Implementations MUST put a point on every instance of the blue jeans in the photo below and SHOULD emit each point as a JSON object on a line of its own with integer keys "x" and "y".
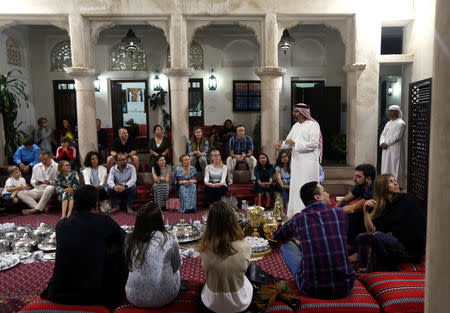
{"x": 292, "y": 256}
{"x": 129, "y": 194}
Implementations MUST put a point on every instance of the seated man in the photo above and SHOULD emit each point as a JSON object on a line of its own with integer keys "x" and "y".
{"x": 241, "y": 149}
{"x": 122, "y": 182}
{"x": 125, "y": 145}
{"x": 43, "y": 181}
{"x": 27, "y": 156}
{"x": 89, "y": 265}
{"x": 363, "y": 190}
{"x": 314, "y": 246}
{"x": 101, "y": 135}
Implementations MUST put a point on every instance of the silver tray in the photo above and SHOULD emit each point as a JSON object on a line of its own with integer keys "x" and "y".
{"x": 16, "y": 261}
{"x": 183, "y": 240}
{"x": 46, "y": 248}
{"x": 49, "y": 256}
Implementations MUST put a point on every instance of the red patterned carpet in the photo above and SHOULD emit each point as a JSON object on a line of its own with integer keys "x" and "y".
{"x": 23, "y": 283}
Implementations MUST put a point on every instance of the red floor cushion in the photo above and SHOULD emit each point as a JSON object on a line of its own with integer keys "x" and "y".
{"x": 359, "y": 301}
{"x": 186, "y": 301}
{"x": 39, "y": 305}
{"x": 397, "y": 292}
{"x": 412, "y": 267}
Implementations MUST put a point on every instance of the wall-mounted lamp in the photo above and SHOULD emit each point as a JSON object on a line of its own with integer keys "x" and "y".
{"x": 156, "y": 83}
{"x": 390, "y": 90}
{"x": 97, "y": 85}
{"x": 212, "y": 82}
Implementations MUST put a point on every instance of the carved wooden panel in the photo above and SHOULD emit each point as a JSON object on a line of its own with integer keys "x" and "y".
{"x": 14, "y": 52}
{"x": 196, "y": 56}
{"x": 419, "y": 139}
{"x": 121, "y": 60}
{"x": 61, "y": 56}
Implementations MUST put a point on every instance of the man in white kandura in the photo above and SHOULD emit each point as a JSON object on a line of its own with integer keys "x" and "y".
{"x": 391, "y": 141}
{"x": 305, "y": 140}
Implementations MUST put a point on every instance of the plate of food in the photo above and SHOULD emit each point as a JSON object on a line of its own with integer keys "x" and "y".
{"x": 24, "y": 255}
{"x": 49, "y": 256}
{"x": 8, "y": 262}
{"x": 45, "y": 247}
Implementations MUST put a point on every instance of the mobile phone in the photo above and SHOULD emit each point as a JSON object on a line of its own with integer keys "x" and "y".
{"x": 184, "y": 285}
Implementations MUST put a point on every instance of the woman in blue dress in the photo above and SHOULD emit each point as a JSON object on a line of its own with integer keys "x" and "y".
{"x": 186, "y": 179}
{"x": 283, "y": 175}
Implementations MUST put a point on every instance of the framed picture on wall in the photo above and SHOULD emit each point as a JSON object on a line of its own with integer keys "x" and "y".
{"x": 246, "y": 95}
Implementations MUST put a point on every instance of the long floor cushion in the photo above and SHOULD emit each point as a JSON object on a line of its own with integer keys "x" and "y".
{"x": 360, "y": 301}
{"x": 397, "y": 292}
{"x": 39, "y": 305}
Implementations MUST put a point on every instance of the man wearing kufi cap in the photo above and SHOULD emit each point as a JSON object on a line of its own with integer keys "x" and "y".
{"x": 305, "y": 140}
{"x": 391, "y": 143}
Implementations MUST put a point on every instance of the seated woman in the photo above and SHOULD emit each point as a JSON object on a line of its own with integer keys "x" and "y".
{"x": 225, "y": 258}
{"x": 197, "y": 148}
{"x": 263, "y": 178}
{"x": 66, "y": 152}
{"x": 215, "y": 141}
{"x": 228, "y": 131}
{"x": 283, "y": 175}
{"x": 68, "y": 131}
{"x": 396, "y": 228}
{"x": 186, "y": 180}
{"x": 154, "y": 261}
{"x": 158, "y": 145}
{"x": 95, "y": 174}
{"x": 161, "y": 181}
{"x": 215, "y": 175}
{"x": 66, "y": 183}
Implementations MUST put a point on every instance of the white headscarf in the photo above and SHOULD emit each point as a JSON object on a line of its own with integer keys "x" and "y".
{"x": 396, "y": 108}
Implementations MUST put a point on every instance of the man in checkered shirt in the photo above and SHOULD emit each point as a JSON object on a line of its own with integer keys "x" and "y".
{"x": 241, "y": 149}
{"x": 315, "y": 246}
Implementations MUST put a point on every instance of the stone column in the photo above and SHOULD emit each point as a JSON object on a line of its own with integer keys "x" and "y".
{"x": 437, "y": 287}
{"x": 270, "y": 107}
{"x": 84, "y": 86}
{"x": 362, "y": 88}
{"x": 179, "y": 78}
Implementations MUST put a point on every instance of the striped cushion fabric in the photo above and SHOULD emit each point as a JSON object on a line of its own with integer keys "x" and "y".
{"x": 397, "y": 292}
{"x": 43, "y": 306}
{"x": 360, "y": 301}
{"x": 186, "y": 301}
{"x": 279, "y": 307}
{"x": 412, "y": 267}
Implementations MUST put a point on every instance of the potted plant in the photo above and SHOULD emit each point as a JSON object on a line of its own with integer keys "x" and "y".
{"x": 157, "y": 101}
{"x": 12, "y": 94}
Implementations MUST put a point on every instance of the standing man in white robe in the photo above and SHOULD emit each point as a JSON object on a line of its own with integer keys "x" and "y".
{"x": 305, "y": 140}
{"x": 391, "y": 141}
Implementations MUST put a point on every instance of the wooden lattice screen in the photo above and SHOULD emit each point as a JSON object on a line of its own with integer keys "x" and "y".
{"x": 419, "y": 139}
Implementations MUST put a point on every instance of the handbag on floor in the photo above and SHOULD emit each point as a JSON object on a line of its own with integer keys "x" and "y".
{"x": 173, "y": 204}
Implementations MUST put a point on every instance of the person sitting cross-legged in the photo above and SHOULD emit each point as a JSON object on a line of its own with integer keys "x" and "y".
{"x": 66, "y": 183}
{"x": 315, "y": 246}
{"x": 122, "y": 182}
{"x": 43, "y": 181}
{"x": 90, "y": 266}
{"x": 241, "y": 149}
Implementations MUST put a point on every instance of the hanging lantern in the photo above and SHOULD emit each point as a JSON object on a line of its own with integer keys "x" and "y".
{"x": 131, "y": 42}
{"x": 286, "y": 41}
{"x": 97, "y": 85}
{"x": 156, "y": 83}
{"x": 212, "y": 82}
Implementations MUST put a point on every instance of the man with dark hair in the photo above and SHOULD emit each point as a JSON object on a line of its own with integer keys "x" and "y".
{"x": 314, "y": 246}
{"x": 43, "y": 181}
{"x": 27, "y": 156}
{"x": 89, "y": 265}
{"x": 122, "y": 182}
{"x": 363, "y": 190}
{"x": 241, "y": 149}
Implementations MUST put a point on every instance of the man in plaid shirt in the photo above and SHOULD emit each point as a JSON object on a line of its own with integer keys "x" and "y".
{"x": 315, "y": 246}
{"x": 241, "y": 149}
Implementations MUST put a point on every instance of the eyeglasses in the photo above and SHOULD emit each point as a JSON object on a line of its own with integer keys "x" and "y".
{"x": 121, "y": 159}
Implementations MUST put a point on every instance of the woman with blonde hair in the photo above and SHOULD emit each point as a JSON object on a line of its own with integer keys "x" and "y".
{"x": 215, "y": 178}
{"x": 396, "y": 228}
{"x": 225, "y": 258}
{"x": 197, "y": 148}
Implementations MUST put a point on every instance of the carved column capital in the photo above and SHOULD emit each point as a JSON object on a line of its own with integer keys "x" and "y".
{"x": 178, "y": 71}
{"x": 270, "y": 70}
{"x": 354, "y": 67}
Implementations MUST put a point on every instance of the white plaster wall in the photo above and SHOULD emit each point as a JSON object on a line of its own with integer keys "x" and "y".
{"x": 26, "y": 113}
{"x": 42, "y": 41}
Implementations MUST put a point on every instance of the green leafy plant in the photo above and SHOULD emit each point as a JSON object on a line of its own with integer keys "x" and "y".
{"x": 157, "y": 102}
{"x": 12, "y": 94}
{"x": 339, "y": 147}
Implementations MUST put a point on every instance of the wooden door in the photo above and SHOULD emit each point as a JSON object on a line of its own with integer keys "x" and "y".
{"x": 117, "y": 103}
{"x": 325, "y": 108}
{"x": 65, "y": 99}
{"x": 196, "y": 107}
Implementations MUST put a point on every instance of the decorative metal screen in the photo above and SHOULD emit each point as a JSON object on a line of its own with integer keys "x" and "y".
{"x": 419, "y": 139}
{"x": 121, "y": 60}
{"x": 196, "y": 56}
{"x": 61, "y": 56}
{"x": 14, "y": 52}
